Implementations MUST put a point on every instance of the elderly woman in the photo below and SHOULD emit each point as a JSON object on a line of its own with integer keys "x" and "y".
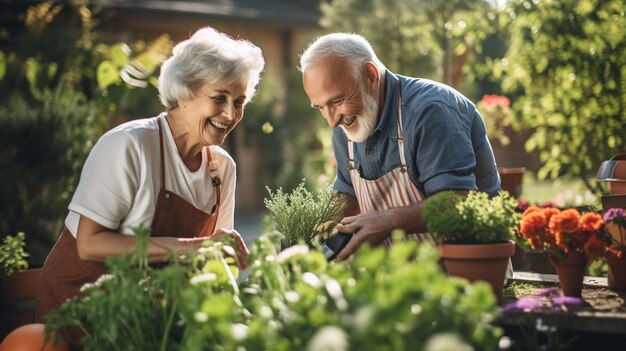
{"x": 165, "y": 173}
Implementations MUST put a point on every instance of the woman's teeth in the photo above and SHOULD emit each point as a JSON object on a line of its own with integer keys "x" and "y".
{"x": 218, "y": 125}
{"x": 348, "y": 120}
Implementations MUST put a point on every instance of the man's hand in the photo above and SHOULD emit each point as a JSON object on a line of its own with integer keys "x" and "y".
{"x": 372, "y": 228}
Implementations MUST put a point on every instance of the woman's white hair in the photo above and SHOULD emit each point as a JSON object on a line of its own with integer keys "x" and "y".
{"x": 353, "y": 47}
{"x": 209, "y": 57}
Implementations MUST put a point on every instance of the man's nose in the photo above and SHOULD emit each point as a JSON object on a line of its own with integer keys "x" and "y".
{"x": 332, "y": 117}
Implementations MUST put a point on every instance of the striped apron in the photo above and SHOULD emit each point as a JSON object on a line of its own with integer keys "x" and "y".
{"x": 393, "y": 189}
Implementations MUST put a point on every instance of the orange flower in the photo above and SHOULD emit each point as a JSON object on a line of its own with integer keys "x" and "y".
{"x": 591, "y": 222}
{"x": 595, "y": 247}
{"x": 565, "y": 221}
{"x": 561, "y": 231}
{"x": 534, "y": 224}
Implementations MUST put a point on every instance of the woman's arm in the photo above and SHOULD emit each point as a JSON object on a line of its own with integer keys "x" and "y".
{"x": 96, "y": 242}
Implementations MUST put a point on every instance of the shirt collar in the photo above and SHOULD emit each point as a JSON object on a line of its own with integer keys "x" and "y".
{"x": 387, "y": 123}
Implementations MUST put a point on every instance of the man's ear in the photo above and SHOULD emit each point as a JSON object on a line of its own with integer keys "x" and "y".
{"x": 371, "y": 74}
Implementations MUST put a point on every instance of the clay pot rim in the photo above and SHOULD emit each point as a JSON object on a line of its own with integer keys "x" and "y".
{"x": 463, "y": 251}
{"x": 507, "y": 170}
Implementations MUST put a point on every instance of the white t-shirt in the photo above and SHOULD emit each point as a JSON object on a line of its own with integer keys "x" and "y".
{"x": 121, "y": 179}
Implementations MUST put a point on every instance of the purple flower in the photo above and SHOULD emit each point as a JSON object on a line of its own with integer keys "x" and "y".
{"x": 566, "y": 301}
{"x": 613, "y": 214}
{"x": 523, "y": 304}
{"x": 548, "y": 292}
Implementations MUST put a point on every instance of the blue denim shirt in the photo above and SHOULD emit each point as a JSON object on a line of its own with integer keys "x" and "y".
{"x": 445, "y": 141}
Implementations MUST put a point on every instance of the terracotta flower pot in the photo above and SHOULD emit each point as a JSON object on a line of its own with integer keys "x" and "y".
{"x": 613, "y": 171}
{"x": 511, "y": 180}
{"x": 31, "y": 337}
{"x": 571, "y": 271}
{"x": 616, "y": 275}
{"x": 17, "y": 300}
{"x": 486, "y": 262}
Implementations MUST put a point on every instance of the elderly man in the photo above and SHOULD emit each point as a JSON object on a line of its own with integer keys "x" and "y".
{"x": 397, "y": 140}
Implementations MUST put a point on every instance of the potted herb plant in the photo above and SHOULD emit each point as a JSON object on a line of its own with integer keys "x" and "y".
{"x": 475, "y": 232}
{"x": 301, "y": 216}
{"x": 615, "y": 220}
{"x": 18, "y": 284}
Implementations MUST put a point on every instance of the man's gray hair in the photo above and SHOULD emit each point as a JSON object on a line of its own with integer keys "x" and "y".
{"x": 209, "y": 57}
{"x": 353, "y": 47}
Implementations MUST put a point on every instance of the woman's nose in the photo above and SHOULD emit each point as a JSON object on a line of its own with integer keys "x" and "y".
{"x": 230, "y": 112}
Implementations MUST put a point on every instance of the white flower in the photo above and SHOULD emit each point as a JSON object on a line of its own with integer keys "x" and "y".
{"x": 334, "y": 289}
{"x": 291, "y": 252}
{"x": 505, "y": 343}
{"x": 239, "y": 331}
{"x": 200, "y": 316}
{"x": 447, "y": 342}
{"x": 311, "y": 279}
{"x": 329, "y": 338}
{"x": 292, "y": 296}
{"x": 203, "y": 278}
{"x": 416, "y": 309}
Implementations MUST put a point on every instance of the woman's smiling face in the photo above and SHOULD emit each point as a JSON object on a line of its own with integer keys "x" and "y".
{"x": 214, "y": 111}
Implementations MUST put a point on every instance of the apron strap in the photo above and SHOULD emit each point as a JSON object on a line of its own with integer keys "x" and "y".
{"x": 162, "y": 154}
{"x": 215, "y": 178}
{"x": 403, "y": 165}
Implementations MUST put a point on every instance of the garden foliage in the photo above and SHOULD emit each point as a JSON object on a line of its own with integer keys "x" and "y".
{"x": 12, "y": 256}
{"x": 55, "y": 107}
{"x": 474, "y": 218}
{"x": 566, "y": 65}
{"x": 395, "y": 299}
{"x": 301, "y": 216}
{"x": 434, "y": 39}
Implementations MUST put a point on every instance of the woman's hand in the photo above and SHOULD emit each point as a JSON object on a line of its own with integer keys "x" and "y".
{"x": 240, "y": 245}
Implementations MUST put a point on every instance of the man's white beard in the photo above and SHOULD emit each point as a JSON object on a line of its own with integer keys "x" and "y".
{"x": 366, "y": 121}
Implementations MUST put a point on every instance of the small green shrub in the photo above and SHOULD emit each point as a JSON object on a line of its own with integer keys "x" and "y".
{"x": 472, "y": 219}
{"x": 301, "y": 215}
{"x": 12, "y": 256}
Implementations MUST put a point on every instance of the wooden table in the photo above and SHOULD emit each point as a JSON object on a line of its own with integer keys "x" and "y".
{"x": 598, "y": 324}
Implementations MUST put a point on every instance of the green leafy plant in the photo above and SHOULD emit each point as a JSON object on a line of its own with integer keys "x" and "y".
{"x": 12, "y": 256}
{"x": 566, "y": 67}
{"x": 301, "y": 215}
{"x": 395, "y": 299}
{"x": 474, "y": 218}
{"x": 140, "y": 307}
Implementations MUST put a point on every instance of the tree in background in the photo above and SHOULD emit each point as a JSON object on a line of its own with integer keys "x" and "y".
{"x": 435, "y": 39}
{"x": 566, "y": 65}
{"x": 56, "y": 105}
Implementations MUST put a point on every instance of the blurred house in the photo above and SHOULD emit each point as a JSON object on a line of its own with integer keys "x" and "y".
{"x": 280, "y": 28}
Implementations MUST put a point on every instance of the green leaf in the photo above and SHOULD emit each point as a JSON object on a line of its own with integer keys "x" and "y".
{"x": 3, "y": 65}
{"x": 107, "y": 74}
{"x": 120, "y": 54}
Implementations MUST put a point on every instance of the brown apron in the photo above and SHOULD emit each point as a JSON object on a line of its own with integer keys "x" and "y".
{"x": 64, "y": 272}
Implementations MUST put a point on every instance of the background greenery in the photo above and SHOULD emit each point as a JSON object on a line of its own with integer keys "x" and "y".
{"x": 561, "y": 64}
